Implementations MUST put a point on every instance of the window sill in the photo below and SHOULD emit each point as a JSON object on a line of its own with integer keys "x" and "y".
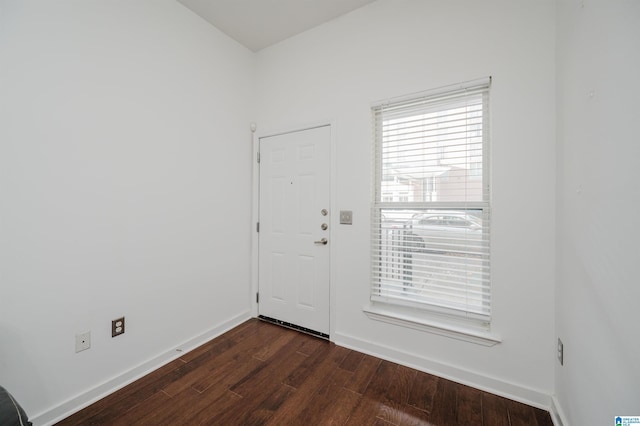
{"x": 441, "y": 328}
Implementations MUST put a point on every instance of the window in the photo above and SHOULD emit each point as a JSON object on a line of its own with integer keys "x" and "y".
{"x": 430, "y": 250}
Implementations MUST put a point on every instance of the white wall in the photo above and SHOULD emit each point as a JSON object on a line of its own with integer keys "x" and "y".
{"x": 125, "y": 186}
{"x": 395, "y": 47}
{"x": 598, "y": 203}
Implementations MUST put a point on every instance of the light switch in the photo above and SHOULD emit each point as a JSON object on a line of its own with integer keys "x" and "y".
{"x": 346, "y": 217}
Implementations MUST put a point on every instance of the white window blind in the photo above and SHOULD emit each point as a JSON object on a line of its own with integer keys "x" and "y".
{"x": 430, "y": 214}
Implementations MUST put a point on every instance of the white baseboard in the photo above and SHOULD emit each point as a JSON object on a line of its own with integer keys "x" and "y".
{"x": 477, "y": 380}
{"x": 557, "y": 415}
{"x": 92, "y": 395}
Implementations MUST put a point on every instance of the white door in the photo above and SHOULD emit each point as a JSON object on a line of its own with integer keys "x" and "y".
{"x": 294, "y": 228}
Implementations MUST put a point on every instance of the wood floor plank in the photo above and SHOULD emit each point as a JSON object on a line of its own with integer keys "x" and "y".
{"x": 423, "y": 389}
{"x": 494, "y": 410}
{"x": 445, "y": 410}
{"x": 542, "y": 417}
{"x": 415, "y": 417}
{"x": 259, "y": 386}
{"x": 227, "y": 375}
{"x": 173, "y": 412}
{"x": 323, "y": 400}
{"x": 282, "y": 364}
{"x": 259, "y": 389}
{"x": 308, "y": 384}
{"x": 184, "y": 382}
{"x": 310, "y": 344}
{"x": 209, "y": 405}
{"x": 365, "y": 371}
{"x": 345, "y": 402}
{"x": 267, "y": 375}
{"x": 259, "y": 373}
{"x": 272, "y": 347}
{"x": 469, "y": 406}
{"x": 520, "y": 414}
{"x": 142, "y": 410}
{"x": 260, "y": 413}
{"x": 352, "y": 361}
{"x": 217, "y": 361}
{"x": 223, "y": 347}
{"x": 238, "y": 357}
{"x": 372, "y": 403}
{"x": 324, "y": 357}
{"x": 396, "y": 409}
{"x": 215, "y": 404}
{"x": 216, "y": 398}
{"x": 365, "y": 412}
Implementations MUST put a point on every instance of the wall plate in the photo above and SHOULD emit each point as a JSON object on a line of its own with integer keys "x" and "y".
{"x": 117, "y": 327}
{"x": 83, "y": 341}
{"x": 346, "y": 217}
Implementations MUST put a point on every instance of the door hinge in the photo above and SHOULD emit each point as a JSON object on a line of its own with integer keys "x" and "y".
{"x": 257, "y": 297}
{"x": 257, "y": 226}
{"x": 258, "y": 156}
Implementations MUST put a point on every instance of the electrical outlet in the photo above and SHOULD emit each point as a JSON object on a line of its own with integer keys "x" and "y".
{"x": 560, "y": 352}
{"x": 117, "y": 327}
{"x": 83, "y": 341}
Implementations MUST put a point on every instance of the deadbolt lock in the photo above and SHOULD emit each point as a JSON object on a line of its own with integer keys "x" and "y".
{"x": 324, "y": 226}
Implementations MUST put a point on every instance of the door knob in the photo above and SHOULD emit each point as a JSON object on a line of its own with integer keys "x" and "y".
{"x": 322, "y": 241}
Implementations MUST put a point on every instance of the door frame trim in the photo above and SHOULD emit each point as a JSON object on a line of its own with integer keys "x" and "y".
{"x": 255, "y": 211}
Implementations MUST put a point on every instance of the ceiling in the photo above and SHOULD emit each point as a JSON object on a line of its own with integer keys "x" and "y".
{"x": 260, "y": 23}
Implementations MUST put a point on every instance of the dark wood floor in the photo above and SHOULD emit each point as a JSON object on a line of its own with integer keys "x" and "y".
{"x": 259, "y": 373}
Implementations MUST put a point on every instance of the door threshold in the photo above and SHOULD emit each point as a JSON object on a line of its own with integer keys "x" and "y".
{"x": 294, "y": 327}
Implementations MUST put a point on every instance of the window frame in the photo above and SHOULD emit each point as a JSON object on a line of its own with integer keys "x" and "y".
{"x": 478, "y": 322}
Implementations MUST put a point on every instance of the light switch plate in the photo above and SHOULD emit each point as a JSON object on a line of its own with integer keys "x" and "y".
{"x": 346, "y": 217}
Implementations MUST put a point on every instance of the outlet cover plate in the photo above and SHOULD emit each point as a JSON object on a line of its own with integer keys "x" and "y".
{"x": 117, "y": 327}
{"x": 83, "y": 341}
{"x": 560, "y": 352}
